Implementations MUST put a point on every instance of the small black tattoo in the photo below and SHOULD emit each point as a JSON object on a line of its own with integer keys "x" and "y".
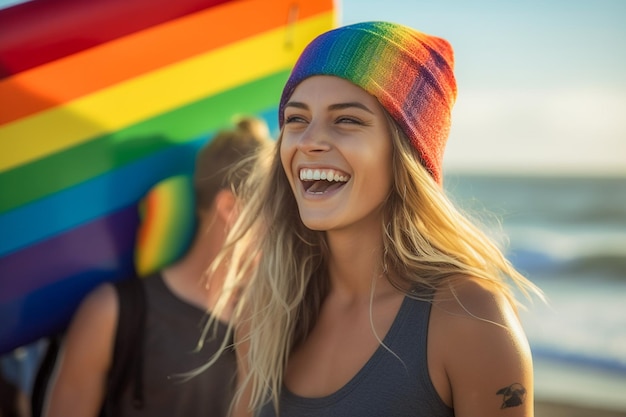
{"x": 512, "y": 396}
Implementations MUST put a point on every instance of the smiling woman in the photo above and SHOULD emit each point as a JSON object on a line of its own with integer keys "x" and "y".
{"x": 371, "y": 294}
{"x": 341, "y": 129}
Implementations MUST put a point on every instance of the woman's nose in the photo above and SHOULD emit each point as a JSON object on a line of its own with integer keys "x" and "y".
{"x": 314, "y": 139}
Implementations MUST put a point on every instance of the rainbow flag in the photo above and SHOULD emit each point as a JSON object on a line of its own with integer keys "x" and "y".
{"x": 99, "y": 101}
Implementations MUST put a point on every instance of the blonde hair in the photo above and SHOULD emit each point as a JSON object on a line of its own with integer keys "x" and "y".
{"x": 427, "y": 243}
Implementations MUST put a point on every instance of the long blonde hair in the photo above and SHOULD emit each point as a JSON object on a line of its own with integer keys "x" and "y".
{"x": 427, "y": 241}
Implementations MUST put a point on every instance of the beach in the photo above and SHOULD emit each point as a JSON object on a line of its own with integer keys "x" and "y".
{"x": 559, "y": 409}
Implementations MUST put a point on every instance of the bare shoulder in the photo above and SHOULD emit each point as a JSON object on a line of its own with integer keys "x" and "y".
{"x": 100, "y": 304}
{"x": 466, "y": 299}
{"x": 486, "y": 360}
{"x": 469, "y": 311}
{"x": 93, "y": 326}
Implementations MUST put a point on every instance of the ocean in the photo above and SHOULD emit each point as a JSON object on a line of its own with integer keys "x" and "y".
{"x": 568, "y": 236}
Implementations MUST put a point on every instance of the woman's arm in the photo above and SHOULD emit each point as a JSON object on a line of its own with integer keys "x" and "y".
{"x": 479, "y": 345}
{"x": 79, "y": 382}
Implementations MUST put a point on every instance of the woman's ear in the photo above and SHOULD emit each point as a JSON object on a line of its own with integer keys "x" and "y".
{"x": 225, "y": 206}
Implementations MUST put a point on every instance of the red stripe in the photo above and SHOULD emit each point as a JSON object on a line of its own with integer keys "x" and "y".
{"x": 64, "y": 80}
{"x": 41, "y": 31}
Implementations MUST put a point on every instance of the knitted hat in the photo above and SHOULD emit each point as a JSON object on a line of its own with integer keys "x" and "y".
{"x": 409, "y": 72}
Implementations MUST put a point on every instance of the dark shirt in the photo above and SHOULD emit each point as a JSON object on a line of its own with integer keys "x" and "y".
{"x": 387, "y": 385}
{"x": 173, "y": 329}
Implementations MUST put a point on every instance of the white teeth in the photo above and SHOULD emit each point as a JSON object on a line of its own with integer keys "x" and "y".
{"x": 327, "y": 175}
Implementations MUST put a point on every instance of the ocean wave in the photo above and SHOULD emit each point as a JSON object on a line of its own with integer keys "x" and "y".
{"x": 568, "y": 241}
{"x": 583, "y": 251}
{"x": 549, "y": 200}
{"x": 583, "y": 322}
{"x": 576, "y": 358}
{"x": 586, "y": 266}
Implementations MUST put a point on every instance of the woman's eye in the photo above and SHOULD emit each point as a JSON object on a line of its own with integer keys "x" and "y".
{"x": 294, "y": 119}
{"x": 349, "y": 120}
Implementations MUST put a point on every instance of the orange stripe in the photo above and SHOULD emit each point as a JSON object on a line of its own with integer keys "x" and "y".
{"x": 42, "y": 31}
{"x": 64, "y": 80}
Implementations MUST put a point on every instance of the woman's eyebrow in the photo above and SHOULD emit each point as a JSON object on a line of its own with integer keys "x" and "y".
{"x": 296, "y": 104}
{"x": 341, "y": 106}
{"x": 338, "y": 106}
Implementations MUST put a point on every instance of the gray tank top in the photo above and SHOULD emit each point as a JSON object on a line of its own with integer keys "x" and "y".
{"x": 173, "y": 328}
{"x": 385, "y": 386}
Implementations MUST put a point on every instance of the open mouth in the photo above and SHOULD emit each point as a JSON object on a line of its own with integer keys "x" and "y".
{"x": 320, "y": 181}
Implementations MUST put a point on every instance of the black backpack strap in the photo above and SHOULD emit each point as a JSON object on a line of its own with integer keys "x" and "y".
{"x": 127, "y": 354}
{"x": 128, "y": 349}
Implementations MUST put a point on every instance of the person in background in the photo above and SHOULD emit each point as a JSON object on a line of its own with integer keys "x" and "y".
{"x": 373, "y": 294}
{"x": 177, "y": 301}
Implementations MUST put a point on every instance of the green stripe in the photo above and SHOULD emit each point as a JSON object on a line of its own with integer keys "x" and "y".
{"x": 108, "y": 152}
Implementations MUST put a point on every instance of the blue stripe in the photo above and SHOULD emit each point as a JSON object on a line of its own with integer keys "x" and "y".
{"x": 99, "y": 196}
{"x": 92, "y": 199}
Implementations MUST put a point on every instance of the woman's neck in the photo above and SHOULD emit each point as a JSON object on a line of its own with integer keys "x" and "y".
{"x": 356, "y": 262}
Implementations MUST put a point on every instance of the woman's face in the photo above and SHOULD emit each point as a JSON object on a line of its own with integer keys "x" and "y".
{"x": 336, "y": 152}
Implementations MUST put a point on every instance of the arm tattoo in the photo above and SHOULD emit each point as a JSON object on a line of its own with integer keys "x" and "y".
{"x": 512, "y": 396}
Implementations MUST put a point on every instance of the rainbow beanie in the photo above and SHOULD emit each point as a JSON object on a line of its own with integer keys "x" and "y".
{"x": 409, "y": 72}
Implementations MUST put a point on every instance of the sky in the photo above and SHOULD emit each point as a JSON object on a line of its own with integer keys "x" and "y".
{"x": 542, "y": 84}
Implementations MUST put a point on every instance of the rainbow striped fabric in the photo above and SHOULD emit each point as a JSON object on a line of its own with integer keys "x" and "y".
{"x": 100, "y": 101}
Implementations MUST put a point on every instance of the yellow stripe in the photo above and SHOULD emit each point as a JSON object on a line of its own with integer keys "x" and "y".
{"x": 127, "y": 103}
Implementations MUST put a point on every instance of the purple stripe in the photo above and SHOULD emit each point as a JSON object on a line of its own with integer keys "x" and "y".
{"x": 47, "y": 310}
{"x": 94, "y": 245}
